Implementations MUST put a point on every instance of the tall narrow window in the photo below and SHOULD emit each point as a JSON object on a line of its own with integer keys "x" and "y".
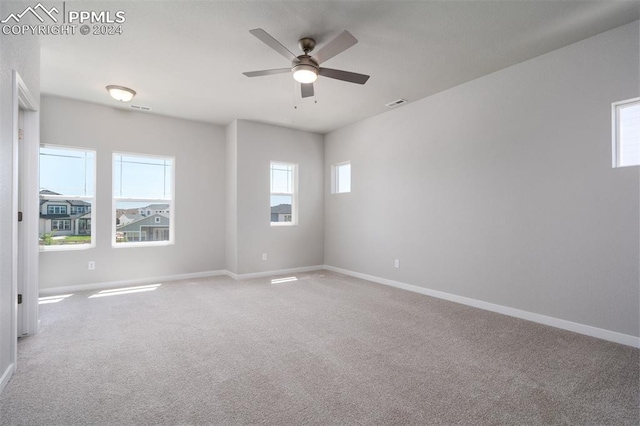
{"x": 67, "y": 191}
{"x": 142, "y": 200}
{"x": 626, "y": 133}
{"x": 283, "y": 194}
{"x": 341, "y": 178}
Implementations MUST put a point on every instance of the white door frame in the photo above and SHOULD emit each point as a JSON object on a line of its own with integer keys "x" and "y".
{"x": 25, "y": 254}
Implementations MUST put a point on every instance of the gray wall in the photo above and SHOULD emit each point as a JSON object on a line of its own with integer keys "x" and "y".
{"x": 20, "y": 53}
{"x": 231, "y": 194}
{"x": 502, "y": 189}
{"x": 199, "y": 150}
{"x": 286, "y": 246}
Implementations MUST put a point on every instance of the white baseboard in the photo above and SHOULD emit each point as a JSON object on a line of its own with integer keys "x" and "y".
{"x": 124, "y": 283}
{"x": 274, "y": 272}
{"x": 588, "y": 330}
{"x": 6, "y": 376}
{"x": 141, "y": 281}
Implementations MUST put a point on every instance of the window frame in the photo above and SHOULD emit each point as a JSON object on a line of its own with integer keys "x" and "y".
{"x": 148, "y": 201}
{"x": 615, "y": 130}
{"x": 60, "y": 198}
{"x": 293, "y": 194}
{"x": 335, "y": 180}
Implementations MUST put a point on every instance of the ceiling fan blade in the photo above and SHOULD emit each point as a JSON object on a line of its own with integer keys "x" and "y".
{"x": 307, "y": 89}
{"x": 273, "y": 43}
{"x": 267, "y": 72}
{"x": 336, "y": 46}
{"x": 351, "y": 77}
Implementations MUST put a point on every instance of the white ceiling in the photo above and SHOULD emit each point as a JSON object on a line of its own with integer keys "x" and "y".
{"x": 186, "y": 58}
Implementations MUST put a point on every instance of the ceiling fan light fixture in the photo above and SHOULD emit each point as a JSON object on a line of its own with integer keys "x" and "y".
{"x": 305, "y": 73}
{"x": 121, "y": 93}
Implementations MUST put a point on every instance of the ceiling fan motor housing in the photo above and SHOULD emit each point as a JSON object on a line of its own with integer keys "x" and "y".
{"x": 305, "y": 62}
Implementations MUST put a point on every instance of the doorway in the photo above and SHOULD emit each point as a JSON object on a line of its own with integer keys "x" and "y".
{"x": 24, "y": 205}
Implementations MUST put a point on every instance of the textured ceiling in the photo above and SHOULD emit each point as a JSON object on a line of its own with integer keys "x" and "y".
{"x": 186, "y": 58}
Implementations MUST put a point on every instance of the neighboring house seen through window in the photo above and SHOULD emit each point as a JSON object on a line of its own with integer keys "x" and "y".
{"x": 283, "y": 193}
{"x": 67, "y": 191}
{"x": 143, "y": 199}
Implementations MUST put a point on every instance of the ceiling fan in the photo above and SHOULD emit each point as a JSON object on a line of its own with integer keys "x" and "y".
{"x": 306, "y": 68}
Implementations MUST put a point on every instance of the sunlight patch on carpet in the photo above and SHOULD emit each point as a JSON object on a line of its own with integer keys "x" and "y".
{"x": 125, "y": 290}
{"x": 283, "y": 280}
{"x": 53, "y": 299}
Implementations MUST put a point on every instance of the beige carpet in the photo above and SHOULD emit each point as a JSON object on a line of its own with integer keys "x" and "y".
{"x": 325, "y": 349}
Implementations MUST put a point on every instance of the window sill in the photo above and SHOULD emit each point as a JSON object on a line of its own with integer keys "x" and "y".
{"x": 143, "y": 244}
{"x": 67, "y": 247}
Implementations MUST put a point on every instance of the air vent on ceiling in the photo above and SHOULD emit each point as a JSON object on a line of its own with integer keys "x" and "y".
{"x": 396, "y": 103}
{"x": 140, "y": 107}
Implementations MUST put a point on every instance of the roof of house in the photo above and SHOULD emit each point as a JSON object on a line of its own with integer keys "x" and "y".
{"x": 66, "y": 216}
{"x": 145, "y": 220}
{"x": 132, "y": 217}
{"x": 155, "y": 207}
{"x": 71, "y": 202}
{"x": 281, "y": 209}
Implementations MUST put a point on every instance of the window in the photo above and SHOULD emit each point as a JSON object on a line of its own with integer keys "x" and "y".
{"x": 283, "y": 194}
{"x": 60, "y": 225}
{"x": 78, "y": 209}
{"x": 67, "y": 183}
{"x": 341, "y": 178}
{"x": 57, "y": 209}
{"x": 626, "y": 132}
{"x": 142, "y": 184}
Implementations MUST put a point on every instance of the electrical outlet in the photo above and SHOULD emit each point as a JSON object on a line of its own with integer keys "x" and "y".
{"x": 92, "y": 265}
{"x": 264, "y": 256}
{"x": 397, "y": 263}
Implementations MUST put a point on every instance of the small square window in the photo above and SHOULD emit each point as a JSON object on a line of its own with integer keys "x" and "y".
{"x": 341, "y": 178}
{"x": 626, "y": 132}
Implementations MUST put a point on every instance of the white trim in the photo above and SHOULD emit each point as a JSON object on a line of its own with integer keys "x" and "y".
{"x": 232, "y": 275}
{"x": 6, "y": 376}
{"x": 294, "y": 195}
{"x": 615, "y": 131}
{"x": 335, "y": 180}
{"x": 170, "y": 202}
{"x": 143, "y": 243}
{"x": 91, "y": 199}
{"x": 24, "y": 257}
{"x": 111, "y": 284}
{"x": 588, "y": 330}
{"x": 31, "y": 214}
{"x": 240, "y": 277}
{"x": 284, "y": 223}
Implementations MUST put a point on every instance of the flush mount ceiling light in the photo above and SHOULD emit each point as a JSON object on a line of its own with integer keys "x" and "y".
{"x": 121, "y": 93}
